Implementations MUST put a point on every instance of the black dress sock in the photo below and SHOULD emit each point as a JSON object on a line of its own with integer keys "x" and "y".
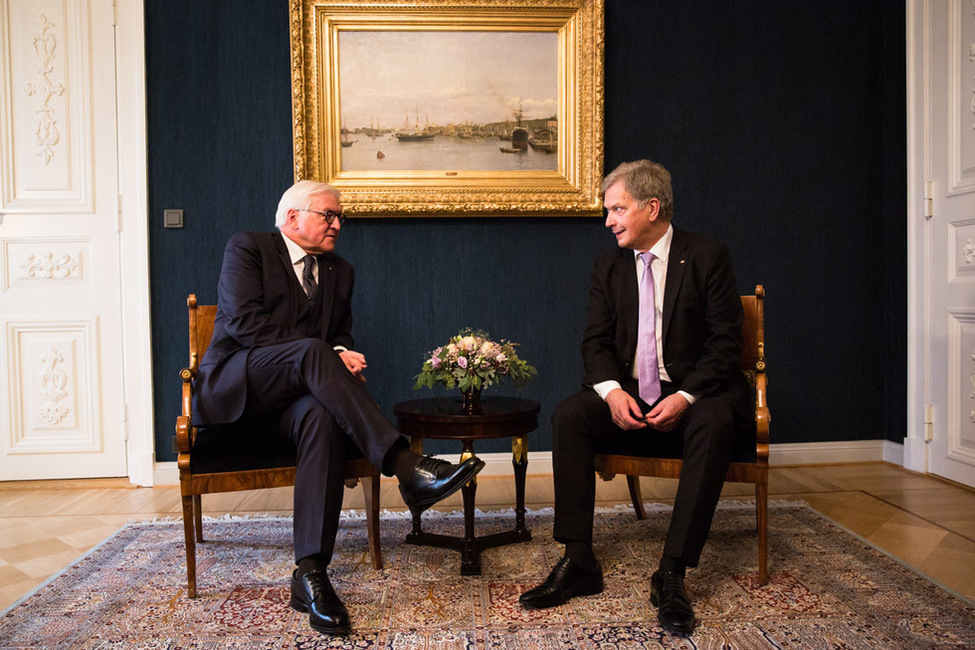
{"x": 311, "y": 563}
{"x": 581, "y": 553}
{"x": 400, "y": 461}
{"x": 673, "y": 565}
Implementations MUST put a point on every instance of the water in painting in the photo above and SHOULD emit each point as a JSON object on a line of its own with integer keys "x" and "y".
{"x": 449, "y": 100}
{"x": 452, "y": 153}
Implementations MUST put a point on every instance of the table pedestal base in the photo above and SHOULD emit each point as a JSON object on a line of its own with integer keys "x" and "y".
{"x": 440, "y": 418}
{"x": 470, "y": 546}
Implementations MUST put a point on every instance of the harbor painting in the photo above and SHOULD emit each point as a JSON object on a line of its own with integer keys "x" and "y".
{"x": 448, "y": 100}
{"x": 448, "y": 107}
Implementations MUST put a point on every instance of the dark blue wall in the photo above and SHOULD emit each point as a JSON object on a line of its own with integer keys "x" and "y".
{"x": 783, "y": 124}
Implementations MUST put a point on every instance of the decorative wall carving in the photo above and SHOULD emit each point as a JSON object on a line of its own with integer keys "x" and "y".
{"x": 54, "y": 381}
{"x": 32, "y": 263}
{"x": 46, "y": 134}
{"x": 49, "y": 265}
{"x": 961, "y": 242}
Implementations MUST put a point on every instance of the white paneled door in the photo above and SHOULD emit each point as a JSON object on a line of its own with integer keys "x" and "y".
{"x": 62, "y": 397}
{"x": 942, "y": 213}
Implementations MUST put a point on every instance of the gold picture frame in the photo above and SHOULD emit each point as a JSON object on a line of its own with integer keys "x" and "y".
{"x": 352, "y": 46}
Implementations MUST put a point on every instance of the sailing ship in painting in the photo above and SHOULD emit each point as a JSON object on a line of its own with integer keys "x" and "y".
{"x": 519, "y": 141}
{"x": 346, "y": 142}
{"x": 416, "y": 135}
{"x": 539, "y": 136}
{"x": 519, "y": 135}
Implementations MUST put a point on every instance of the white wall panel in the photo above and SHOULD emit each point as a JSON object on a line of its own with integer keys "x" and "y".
{"x": 53, "y": 371}
{"x": 961, "y": 386}
{"x": 961, "y": 87}
{"x": 47, "y": 113}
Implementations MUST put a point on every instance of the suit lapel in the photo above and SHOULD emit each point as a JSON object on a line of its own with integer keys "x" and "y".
{"x": 629, "y": 299}
{"x": 294, "y": 287}
{"x": 281, "y": 251}
{"x": 326, "y": 285}
{"x": 676, "y": 266}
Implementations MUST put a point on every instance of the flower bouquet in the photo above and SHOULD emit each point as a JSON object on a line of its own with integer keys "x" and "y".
{"x": 471, "y": 361}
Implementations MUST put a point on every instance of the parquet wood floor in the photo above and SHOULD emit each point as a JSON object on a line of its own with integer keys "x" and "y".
{"x": 925, "y": 521}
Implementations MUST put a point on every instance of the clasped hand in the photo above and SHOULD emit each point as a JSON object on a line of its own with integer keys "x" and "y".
{"x": 664, "y": 416}
{"x": 354, "y": 361}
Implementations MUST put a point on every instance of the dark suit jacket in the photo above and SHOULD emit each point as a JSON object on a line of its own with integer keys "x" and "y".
{"x": 702, "y": 319}
{"x": 258, "y": 302}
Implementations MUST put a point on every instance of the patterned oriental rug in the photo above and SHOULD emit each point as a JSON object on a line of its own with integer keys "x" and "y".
{"x": 829, "y": 589}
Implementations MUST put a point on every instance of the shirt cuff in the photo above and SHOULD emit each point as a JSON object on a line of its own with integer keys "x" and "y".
{"x": 604, "y": 388}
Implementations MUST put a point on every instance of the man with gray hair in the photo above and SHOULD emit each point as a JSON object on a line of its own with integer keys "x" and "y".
{"x": 281, "y": 353}
{"x": 661, "y": 348}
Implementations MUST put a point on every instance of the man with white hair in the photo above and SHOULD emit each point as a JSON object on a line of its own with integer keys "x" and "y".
{"x": 281, "y": 353}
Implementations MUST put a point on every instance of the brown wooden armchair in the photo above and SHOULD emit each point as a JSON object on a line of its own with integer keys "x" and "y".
{"x": 749, "y": 465}
{"x": 229, "y": 459}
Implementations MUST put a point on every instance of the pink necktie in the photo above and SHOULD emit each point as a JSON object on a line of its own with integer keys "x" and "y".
{"x": 647, "y": 366}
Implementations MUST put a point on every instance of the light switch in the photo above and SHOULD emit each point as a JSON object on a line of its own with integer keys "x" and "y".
{"x": 172, "y": 218}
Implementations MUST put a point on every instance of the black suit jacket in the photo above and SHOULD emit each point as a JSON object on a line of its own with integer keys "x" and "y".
{"x": 258, "y": 302}
{"x": 702, "y": 319}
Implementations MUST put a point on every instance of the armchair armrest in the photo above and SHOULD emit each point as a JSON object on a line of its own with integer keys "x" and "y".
{"x": 185, "y": 431}
{"x": 762, "y": 420}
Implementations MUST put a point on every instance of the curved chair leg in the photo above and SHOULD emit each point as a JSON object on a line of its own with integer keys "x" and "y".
{"x": 633, "y": 482}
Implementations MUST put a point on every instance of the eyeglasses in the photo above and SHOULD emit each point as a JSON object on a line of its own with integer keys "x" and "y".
{"x": 328, "y": 215}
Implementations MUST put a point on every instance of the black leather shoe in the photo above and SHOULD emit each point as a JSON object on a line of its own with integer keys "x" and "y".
{"x": 567, "y": 580}
{"x": 434, "y": 480}
{"x": 313, "y": 593}
{"x": 674, "y": 610}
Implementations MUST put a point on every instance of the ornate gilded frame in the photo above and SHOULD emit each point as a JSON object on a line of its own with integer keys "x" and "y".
{"x": 571, "y": 190}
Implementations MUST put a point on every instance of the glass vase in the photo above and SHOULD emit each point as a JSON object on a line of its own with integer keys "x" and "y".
{"x": 472, "y": 402}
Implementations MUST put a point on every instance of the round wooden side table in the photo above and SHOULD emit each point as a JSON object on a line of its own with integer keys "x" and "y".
{"x": 500, "y": 417}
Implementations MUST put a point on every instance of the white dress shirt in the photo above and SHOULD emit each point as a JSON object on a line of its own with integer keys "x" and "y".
{"x": 661, "y": 253}
{"x": 297, "y": 255}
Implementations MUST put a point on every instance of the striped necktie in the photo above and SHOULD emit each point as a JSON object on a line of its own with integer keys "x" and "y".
{"x": 308, "y": 276}
{"x": 647, "y": 364}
